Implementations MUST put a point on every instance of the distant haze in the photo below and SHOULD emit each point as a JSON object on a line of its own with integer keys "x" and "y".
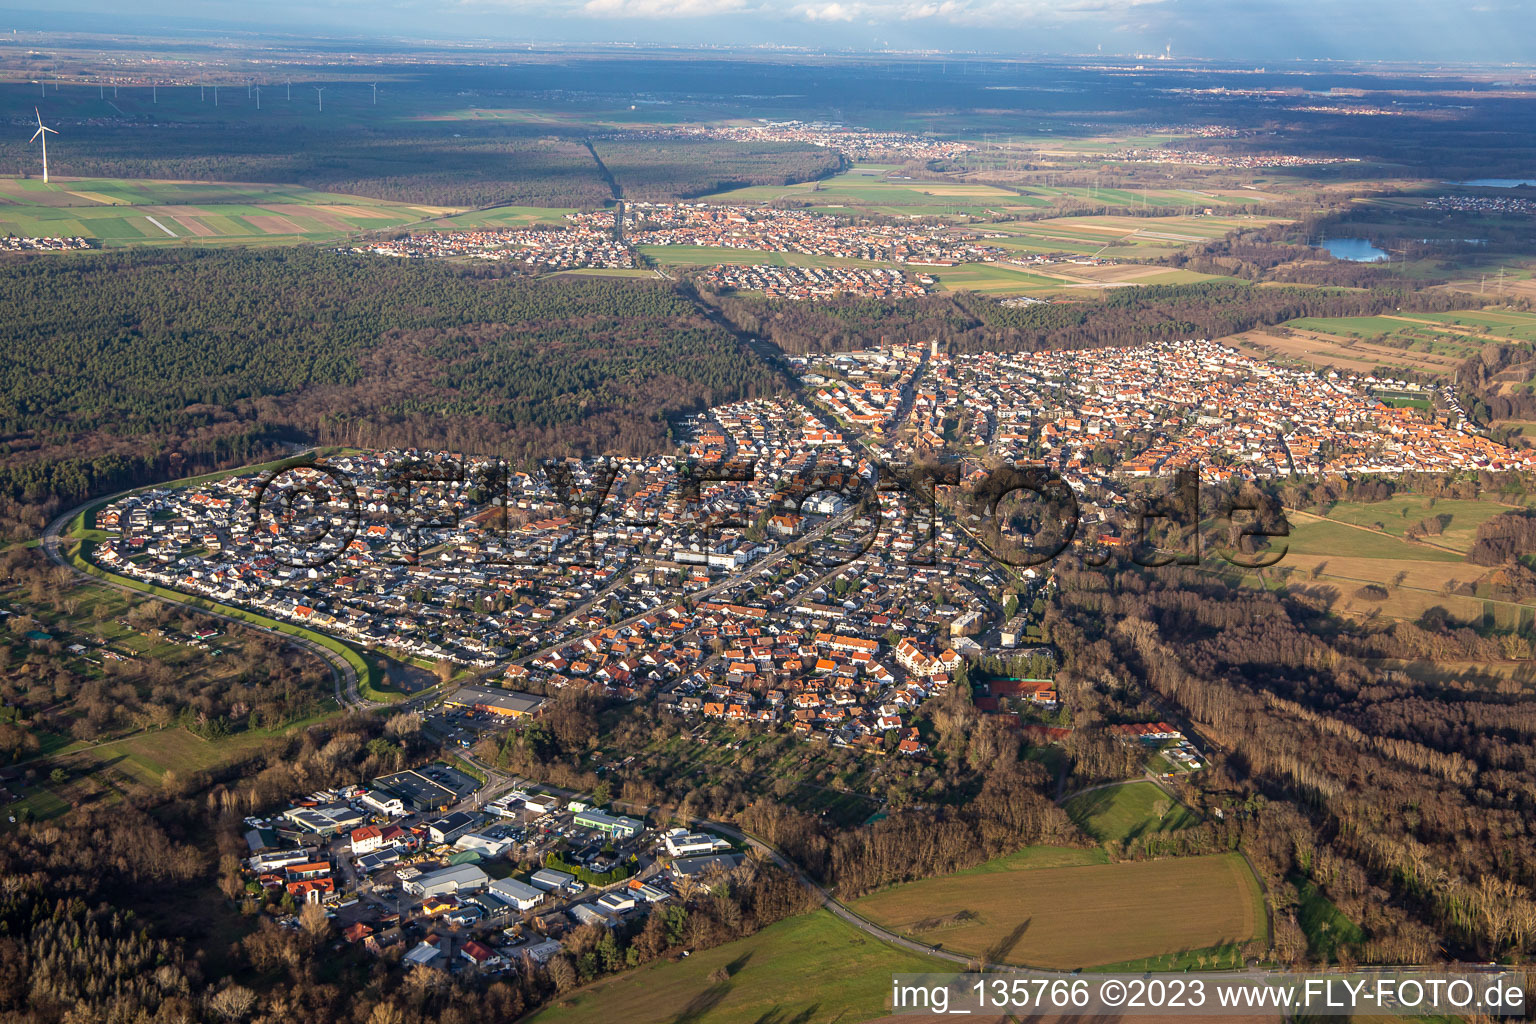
{"x": 1481, "y": 31}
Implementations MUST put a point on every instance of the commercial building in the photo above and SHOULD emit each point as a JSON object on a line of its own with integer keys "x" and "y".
{"x": 550, "y": 880}
{"x": 519, "y": 894}
{"x": 692, "y": 844}
{"x": 449, "y": 827}
{"x": 447, "y": 882}
{"x": 615, "y": 825}
{"x": 507, "y": 703}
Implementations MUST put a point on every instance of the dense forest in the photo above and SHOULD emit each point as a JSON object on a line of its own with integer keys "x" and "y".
{"x": 125, "y": 366}
{"x": 472, "y": 166}
{"x": 967, "y": 322}
{"x": 1407, "y": 801}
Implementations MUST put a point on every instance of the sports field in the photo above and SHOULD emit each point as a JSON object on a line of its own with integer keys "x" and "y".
{"x": 118, "y": 212}
{"x": 808, "y": 968}
{"x": 1118, "y": 813}
{"x": 1040, "y": 915}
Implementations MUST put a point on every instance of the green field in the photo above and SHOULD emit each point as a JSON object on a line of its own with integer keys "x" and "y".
{"x": 1119, "y": 813}
{"x": 995, "y": 279}
{"x": 1457, "y": 333}
{"x": 1349, "y": 326}
{"x": 118, "y": 212}
{"x": 1117, "y": 236}
{"x": 808, "y": 968}
{"x": 1336, "y": 539}
{"x": 500, "y": 217}
{"x": 1503, "y": 323}
{"x": 1397, "y": 514}
{"x": 868, "y": 188}
{"x": 1037, "y": 915}
{"x": 874, "y": 188}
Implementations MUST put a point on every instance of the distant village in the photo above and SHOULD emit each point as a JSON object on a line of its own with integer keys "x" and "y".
{"x": 20, "y": 243}
{"x": 1482, "y": 204}
{"x": 594, "y": 240}
{"x": 802, "y": 283}
{"x": 854, "y": 143}
{"x": 1200, "y": 158}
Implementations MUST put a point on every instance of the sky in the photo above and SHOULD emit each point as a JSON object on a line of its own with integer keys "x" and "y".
{"x": 1434, "y": 31}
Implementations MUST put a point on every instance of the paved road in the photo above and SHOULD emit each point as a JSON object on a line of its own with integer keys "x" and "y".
{"x": 343, "y": 675}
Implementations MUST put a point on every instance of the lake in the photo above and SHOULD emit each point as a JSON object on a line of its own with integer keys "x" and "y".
{"x": 1356, "y": 250}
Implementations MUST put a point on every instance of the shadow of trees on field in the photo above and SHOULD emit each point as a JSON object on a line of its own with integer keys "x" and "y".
{"x": 999, "y": 951}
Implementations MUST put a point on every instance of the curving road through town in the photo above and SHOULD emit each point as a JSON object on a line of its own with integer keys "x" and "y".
{"x": 343, "y": 675}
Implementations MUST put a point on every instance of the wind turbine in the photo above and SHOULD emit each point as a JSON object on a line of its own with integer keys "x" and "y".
{"x": 319, "y": 97}
{"x": 258, "y": 97}
{"x": 42, "y": 132}
{"x": 375, "y": 93}
{"x": 290, "y": 90}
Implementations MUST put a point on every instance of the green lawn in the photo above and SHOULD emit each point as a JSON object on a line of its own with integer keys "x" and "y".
{"x": 1326, "y": 926}
{"x": 1039, "y": 857}
{"x": 1402, "y": 511}
{"x": 39, "y": 802}
{"x": 808, "y": 968}
{"x": 995, "y": 279}
{"x": 501, "y": 217}
{"x": 1357, "y": 326}
{"x": 1335, "y": 539}
{"x": 1126, "y": 811}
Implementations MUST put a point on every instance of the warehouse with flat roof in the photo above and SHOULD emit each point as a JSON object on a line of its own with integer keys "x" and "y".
{"x": 448, "y": 881}
{"x": 507, "y": 703}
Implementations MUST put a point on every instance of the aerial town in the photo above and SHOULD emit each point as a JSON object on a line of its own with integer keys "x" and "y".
{"x": 1482, "y": 204}
{"x": 438, "y": 870}
{"x": 18, "y": 243}
{"x": 591, "y": 239}
{"x": 1200, "y": 158}
{"x": 814, "y": 282}
{"x": 792, "y": 593}
{"x": 853, "y": 143}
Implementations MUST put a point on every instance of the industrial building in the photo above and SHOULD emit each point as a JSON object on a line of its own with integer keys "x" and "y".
{"x": 447, "y": 882}
{"x": 507, "y": 703}
{"x": 615, "y": 825}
